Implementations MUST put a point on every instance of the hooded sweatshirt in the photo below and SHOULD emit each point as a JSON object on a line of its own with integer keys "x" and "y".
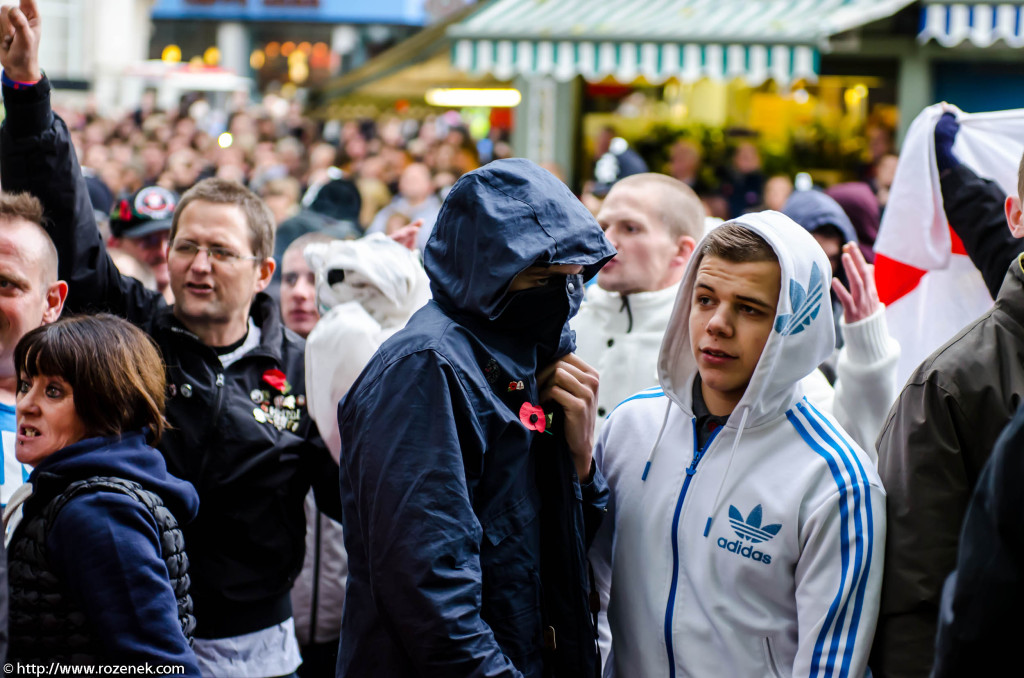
{"x": 860, "y": 204}
{"x": 105, "y": 547}
{"x": 465, "y": 525}
{"x": 814, "y": 211}
{"x": 762, "y": 551}
{"x": 381, "y": 284}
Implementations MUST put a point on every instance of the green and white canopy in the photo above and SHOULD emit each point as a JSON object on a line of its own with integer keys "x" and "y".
{"x": 657, "y": 39}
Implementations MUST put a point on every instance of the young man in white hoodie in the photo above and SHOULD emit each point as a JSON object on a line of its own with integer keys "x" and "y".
{"x": 750, "y": 541}
{"x": 654, "y": 223}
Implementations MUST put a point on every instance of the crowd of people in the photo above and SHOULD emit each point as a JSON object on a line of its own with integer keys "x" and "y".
{"x": 399, "y": 404}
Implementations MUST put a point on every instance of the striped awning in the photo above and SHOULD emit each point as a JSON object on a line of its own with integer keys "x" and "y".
{"x": 983, "y": 24}
{"x": 688, "y": 40}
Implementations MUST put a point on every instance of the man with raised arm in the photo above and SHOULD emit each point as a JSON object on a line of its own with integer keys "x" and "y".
{"x": 239, "y": 428}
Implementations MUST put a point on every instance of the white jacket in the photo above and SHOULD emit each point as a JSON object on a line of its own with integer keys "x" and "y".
{"x": 622, "y": 341}
{"x": 760, "y": 555}
{"x": 383, "y": 284}
{"x": 620, "y": 337}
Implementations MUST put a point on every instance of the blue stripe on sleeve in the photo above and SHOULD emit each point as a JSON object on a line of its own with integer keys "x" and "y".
{"x": 858, "y": 560}
{"x": 642, "y": 395}
{"x": 845, "y": 543}
{"x": 862, "y": 588}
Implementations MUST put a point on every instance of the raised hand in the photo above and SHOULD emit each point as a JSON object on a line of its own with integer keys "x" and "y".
{"x": 19, "y": 41}
{"x": 407, "y": 234}
{"x": 945, "y": 136}
{"x": 861, "y": 300}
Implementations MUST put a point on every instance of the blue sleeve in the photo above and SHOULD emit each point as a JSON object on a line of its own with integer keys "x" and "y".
{"x": 105, "y": 547}
{"x": 403, "y": 471}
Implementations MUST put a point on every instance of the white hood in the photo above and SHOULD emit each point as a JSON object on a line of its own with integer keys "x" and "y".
{"x": 803, "y": 336}
{"x": 386, "y": 278}
{"x": 383, "y": 285}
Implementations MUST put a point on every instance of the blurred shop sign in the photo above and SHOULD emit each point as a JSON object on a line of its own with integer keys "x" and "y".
{"x": 405, "y": 12}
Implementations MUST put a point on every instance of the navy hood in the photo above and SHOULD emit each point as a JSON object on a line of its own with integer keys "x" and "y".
{"x": 813, "y": 209}
{"x": 499, "y": 220}
{"x": 128, "y": 457}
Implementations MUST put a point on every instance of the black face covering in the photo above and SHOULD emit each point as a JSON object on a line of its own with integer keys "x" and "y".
{"x": 539, "y": 314}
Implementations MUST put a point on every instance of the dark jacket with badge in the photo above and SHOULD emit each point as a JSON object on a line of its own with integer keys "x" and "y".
{"x": 465, "y": 524}
{"x": 251, "y": 456}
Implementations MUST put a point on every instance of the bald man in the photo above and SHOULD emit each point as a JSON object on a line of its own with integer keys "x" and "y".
{"x": 30, "y": 296}
{"x": 654, "y": 223}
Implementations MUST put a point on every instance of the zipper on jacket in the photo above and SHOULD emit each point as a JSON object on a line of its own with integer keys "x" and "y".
{"x": 773, "y": 665}
{"x": 219, "y": 383}
{"x": 698, "y": 454}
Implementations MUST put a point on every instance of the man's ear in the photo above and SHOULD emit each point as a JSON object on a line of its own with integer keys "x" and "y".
{"x": 265, "y": 273}
{"x": 54, "y": 299}
{"x": 1014, "y": 216}
{"x": 685, "y": 246}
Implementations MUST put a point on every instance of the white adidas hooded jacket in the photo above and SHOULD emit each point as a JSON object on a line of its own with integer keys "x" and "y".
{"x": 760, "y": 555}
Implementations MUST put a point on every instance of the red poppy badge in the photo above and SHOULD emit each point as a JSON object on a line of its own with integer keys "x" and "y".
{"x": 275, "y": 379}
{"x": 534, "y": 418}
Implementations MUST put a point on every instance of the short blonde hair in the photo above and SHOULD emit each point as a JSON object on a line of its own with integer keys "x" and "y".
{"x": 27, "y": 207}
{"x": 738, "y": 244}
{"x": 679, "y": 208}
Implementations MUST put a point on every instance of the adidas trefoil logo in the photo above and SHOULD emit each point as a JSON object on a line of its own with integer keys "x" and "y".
{"x": 805, "y": 304}
{"x": 750, "y": 530}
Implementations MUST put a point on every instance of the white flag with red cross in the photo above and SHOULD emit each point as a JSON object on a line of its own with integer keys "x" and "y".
{"x": 929, "y": 286}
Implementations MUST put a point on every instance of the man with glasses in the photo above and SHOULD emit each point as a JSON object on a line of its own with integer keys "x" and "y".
{"x": 240, "y": 432}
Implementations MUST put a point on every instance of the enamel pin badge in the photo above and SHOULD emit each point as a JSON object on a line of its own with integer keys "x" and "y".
{"x": 280, "y": 409}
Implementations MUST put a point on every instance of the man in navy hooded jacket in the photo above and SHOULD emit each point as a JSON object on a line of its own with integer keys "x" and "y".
{"x": 468, "y": 489}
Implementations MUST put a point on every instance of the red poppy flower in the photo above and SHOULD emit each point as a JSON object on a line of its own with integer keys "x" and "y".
{"x": 533, "y": 417}
{"x": 125, "y": 211}
{"x": 276, "y": 379}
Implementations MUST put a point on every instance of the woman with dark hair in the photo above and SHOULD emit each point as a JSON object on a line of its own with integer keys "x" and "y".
{"x": 98, "y": 571}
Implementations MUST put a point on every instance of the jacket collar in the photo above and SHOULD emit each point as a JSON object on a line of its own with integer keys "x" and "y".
{"x": 1011, "y": 293}
{"x": 264, "y": 312}
{"x": 637, "y": 300}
